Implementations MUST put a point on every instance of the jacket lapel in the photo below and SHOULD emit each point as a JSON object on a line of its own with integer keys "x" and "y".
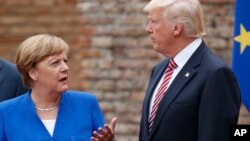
{"x": 62, "y": 115}
{"x": 1, "y": 71}
{"x": 155, "y": 78}
{"x": 184, "y": 76}
{"x": 32, "y": 122}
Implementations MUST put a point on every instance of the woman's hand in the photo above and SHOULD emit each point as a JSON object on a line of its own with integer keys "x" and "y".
{"x": 106, "y": 133}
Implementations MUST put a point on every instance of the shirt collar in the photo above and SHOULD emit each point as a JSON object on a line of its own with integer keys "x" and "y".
{"x": 182, "y": 57}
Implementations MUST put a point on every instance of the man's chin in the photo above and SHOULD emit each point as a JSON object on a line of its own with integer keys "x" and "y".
{"x": 155, "y": 47}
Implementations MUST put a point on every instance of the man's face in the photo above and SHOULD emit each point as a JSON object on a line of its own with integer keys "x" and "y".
{"x": 161, "y": 31}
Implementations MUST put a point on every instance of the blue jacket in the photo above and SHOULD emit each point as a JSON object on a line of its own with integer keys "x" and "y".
{"x": 78, "y": 116}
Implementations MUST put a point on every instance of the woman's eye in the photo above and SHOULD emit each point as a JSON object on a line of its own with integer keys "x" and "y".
{"x": 54, "y": 64}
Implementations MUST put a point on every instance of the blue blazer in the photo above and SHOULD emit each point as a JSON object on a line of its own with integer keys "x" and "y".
{"x": 196, "y": 107}
{"x": 78, "y": 116}
{"x": 10, "y": 81}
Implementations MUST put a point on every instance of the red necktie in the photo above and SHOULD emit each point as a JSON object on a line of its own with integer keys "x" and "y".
{"x": 161, "y": 91}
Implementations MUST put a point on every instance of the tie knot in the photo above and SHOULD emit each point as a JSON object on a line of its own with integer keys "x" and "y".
{"x": 172, "y": 65}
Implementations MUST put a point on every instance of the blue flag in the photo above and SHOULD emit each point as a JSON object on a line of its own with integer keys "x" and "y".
{"x": 241, "y": 50}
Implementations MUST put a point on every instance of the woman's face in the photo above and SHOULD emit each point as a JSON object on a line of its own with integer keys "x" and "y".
{"x": 51, "y": 74}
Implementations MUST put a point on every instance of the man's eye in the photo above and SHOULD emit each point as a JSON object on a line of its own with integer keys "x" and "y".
{"x": 153, "y": 21}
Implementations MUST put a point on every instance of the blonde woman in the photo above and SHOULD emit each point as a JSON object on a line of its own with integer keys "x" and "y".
{"x": 48, "y": 111}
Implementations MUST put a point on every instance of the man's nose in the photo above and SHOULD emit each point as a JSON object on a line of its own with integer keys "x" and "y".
{"x": 148, "y": 28}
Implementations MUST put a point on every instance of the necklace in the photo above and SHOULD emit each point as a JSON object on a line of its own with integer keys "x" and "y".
{"x": 49, "y": 109}
{"x": 46, "y": 109}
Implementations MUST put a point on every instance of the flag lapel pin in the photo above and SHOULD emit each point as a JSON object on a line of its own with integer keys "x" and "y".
{"x": 187, "y": 74}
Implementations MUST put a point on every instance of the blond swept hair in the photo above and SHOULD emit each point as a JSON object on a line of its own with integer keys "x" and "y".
{"x": 36, "y": 48}
{"x": 187, "y": 12}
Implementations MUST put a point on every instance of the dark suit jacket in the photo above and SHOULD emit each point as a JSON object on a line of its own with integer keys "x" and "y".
{"x": 199, "y": 107}
{"x": 10, "y": 81}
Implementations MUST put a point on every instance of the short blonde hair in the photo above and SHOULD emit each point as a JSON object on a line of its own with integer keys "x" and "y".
{"x": 36, "y": 48}
{"x": 187, "y": 12}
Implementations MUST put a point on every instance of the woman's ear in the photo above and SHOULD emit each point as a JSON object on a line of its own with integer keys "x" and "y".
{"x": 33, "y": 74}
{"x": 178, "y": 27}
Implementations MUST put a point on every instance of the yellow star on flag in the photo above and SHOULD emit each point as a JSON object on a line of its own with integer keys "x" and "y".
{"x": 243, "y": 38}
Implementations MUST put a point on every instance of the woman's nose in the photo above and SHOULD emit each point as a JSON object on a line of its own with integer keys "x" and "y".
{"x": 65, "y": 67}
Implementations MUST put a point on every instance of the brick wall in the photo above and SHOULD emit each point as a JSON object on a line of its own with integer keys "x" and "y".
{"x": 111, "y": 54}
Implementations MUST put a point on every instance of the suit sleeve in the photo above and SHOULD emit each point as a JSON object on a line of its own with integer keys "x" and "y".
{"x": 219, "y": 106}
{"x": 141, "y": 132}
{"x": 20, "y": 89}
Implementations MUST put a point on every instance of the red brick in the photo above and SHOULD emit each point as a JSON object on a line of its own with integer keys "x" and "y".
{"x": 18, "y": 2}
{"x": 90, "y": 53}
{"x": 87, "y": 30}
{"x": 44, "y": 2}
{"x": 66, "y": 1}
{"x": 11, "y": 39}
{"x": 84, "y": 42}
{"x": 2, "y": 2}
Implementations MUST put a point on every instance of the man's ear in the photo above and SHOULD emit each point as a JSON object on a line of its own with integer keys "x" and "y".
{"x": 33, "y": 74}
{"x": 178, "y": 27}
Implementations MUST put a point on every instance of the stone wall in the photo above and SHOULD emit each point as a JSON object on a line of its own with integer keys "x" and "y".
{"x": 111, "y": 54}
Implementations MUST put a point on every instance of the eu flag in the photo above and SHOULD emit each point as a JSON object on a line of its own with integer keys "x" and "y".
{"x": 241, "y": 50}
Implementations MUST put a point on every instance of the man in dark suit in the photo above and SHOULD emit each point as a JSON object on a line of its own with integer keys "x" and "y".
{"x": 10, "y": 81}
{"x": 195, "y": 97}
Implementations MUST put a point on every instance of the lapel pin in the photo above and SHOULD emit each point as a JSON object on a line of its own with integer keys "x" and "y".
{"x": 187, "y": 74}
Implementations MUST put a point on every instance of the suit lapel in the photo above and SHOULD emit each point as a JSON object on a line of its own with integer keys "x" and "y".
{"x": 63, "y": 118}
{"x": 32, "y": 122}
{"x": 157, "y": 74}
{"x": 183, "y": 77}
{"x": 62, "y": 115}
{"x": 1, "y": 71}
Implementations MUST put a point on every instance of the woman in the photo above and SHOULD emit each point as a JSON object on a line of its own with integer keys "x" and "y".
{"x": 48, "y": 111}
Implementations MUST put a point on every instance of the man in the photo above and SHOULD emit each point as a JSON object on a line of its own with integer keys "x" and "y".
{"x": 195, "y": 97}
{"x": 10, "y": 81}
